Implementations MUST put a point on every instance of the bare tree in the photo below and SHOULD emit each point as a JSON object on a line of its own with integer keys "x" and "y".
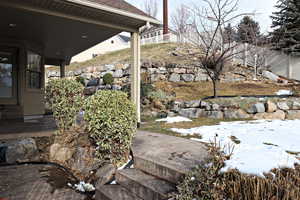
{"x": 181, "y": 20}
{"x": 151, "y": 7}
{"x": 209, "y": 21}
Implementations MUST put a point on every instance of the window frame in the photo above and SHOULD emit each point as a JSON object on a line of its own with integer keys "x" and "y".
{"x": 40, "y": 72}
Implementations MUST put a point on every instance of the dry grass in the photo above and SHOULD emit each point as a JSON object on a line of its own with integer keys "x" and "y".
{"x": 206, "y": 182}
{"x": 198, "y": 90}
{"x": 153, "y": 52}
{"x": 161, "y": 127}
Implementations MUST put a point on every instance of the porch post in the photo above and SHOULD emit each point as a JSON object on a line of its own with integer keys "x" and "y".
{"x": 136, "y": 72}
{"x": 62, "y": 69}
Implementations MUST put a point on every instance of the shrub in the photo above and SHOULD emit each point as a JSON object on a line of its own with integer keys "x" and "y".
{"x": 108, "y": 79}
{"x": 81, "y": 80}
{"x": 65, "y": 98}
{"x": 207, "y": 182}
{"x": 146, "y": 89}
{"x": 158, "y": 95}
{"x": 111, "y": 123}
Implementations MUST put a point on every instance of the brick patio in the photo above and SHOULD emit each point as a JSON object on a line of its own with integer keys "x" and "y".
{"x": 28, "y": 183}
{"x": 13, "y": 129}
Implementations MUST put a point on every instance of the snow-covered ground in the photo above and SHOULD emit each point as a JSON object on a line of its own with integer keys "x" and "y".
{"x": 174, "y": 119}
{"x": 264, "y": 144}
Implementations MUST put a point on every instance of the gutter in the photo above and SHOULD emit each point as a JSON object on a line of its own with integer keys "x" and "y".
{"x": 114, "y": 10}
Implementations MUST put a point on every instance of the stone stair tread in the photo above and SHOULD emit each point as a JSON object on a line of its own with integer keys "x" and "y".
{"x": 114, "y": 192}
{"x": 167, "y": 157}
{"x": 144, "y": 185}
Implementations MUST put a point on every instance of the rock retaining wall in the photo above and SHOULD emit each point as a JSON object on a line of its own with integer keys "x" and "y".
{"x": 240, "y": 108}
{"x": 156, "y": 71}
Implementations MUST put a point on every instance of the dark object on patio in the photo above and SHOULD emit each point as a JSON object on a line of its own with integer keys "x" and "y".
{"x": 3, "y": 154}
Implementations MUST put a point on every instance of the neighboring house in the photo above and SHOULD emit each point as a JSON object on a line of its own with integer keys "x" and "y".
{"x": 154, "y": 34}
{"x": 117, "y": 42}
{"x": 50, "y": 32}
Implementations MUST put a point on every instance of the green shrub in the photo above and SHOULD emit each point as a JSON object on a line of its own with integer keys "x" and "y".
{"x": 146, "y": 89}
{"x": 108, "y": 79}
{"x": 65, "y": 98}
{"x": 111, "y": 123}
{"x": 80, "y": 79}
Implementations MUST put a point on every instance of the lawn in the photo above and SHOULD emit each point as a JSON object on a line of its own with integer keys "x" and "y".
{"x": 198, "y": 90}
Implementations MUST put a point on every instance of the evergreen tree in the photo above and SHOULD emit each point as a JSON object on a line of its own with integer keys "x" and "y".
{"x": 248, "y": 30}
{"x": 286, "y": 24}
{"x": 229, "y": 34}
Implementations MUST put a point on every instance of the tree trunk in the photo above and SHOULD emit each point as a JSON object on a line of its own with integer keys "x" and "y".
{"x": 215, "y": 88}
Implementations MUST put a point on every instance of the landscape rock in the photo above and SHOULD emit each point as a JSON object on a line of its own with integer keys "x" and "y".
{"x": 179, "y": 70}
{"x": 205, "y": 105}
{"x": 174, "y": 77}
{"x": 279, "y": 114}
{"x": 256, "y": 108}
{"x": 236, "y": 114}
{"x": 82, "y": 160}
{"x": 188, "y": 77}
{"x": 215, "y": 114}
{"x": 296, "y": 105}
{"x": 293, "y": 114}
{"x": 60, "y": 153}
{"x": 215, "y": 106}
{"x": 89, "y": 90}
{"x": 201, "y": 77}
{"x": 21, "y": 150}
{"x": 118, "y": 73}
{"x": 176, "y": 105}
{"x": 192, "y": 113}
{"x": 158, "y": 105}
{"x": 192, "y": 104}
{"x": 283, "y": 106}
{"x": 105, "y": 174}
{"x": 270, "y": 106}
{"x": 270, "y": 75}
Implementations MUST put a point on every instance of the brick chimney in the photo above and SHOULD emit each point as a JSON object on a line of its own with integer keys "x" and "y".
{"x": 166, "y": 17}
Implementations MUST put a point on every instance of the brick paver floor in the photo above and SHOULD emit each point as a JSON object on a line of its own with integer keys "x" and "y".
{"x": 27, "y": 182}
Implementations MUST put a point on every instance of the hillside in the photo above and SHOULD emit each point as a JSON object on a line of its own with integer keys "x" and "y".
{"x": 154, "y": 52}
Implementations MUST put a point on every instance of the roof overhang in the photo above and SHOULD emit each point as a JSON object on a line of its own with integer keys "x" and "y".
{"x": 65, "y": 28}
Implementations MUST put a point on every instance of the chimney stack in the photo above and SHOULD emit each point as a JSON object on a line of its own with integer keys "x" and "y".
{"x": 166, "y": 17}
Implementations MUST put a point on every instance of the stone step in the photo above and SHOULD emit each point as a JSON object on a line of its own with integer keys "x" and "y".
{"x": 167, "y": 157}
{"x": 114, "y": 192}
{"x": 143, "y": 185}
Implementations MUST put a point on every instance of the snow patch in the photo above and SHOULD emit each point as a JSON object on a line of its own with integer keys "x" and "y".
{"x": 264, "y": 144}
{"x": 82, "y": 187}
{"x": 170, "y": 120}
{"x": 284, "y": 92}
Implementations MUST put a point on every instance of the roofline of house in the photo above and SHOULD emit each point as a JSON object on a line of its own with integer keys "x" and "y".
{"x": 114, "y": 10}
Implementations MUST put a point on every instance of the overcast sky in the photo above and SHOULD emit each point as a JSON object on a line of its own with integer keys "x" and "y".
{"x": 263, "y": 8}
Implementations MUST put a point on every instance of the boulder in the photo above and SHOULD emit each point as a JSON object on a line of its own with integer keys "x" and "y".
{"x": 201, "y": 77}
{"x": 89, "y": 90}
{"x": 109, "y": 67}
{"x": 158, "y": 105}
{"x": 215, "y": 106}
{"x": 270, "y": 75}
{"x": 83, "y": 160}
{"x": 179, "y": 70}
{"x": 174, "y": 77}
{"x": 205, "y": 105}
{"x": 188, "y": 77}
{"x": 105, "y": 174}
{"x": 118, "y": 73}
{"x": 283, "y": 106}
{"x": 296, "y": 105}
{"x": 192, "y": 104}
{"x": 256, "y": 108}
{"x": 215, "y": 114}
{"x": 270, "y": 106}
{"x": 279, "y": 114}
{"x": 176, "y": 105}
{"x": 293, "y": 114}
{"x": 60, "y": 153}
{"x": 191, "y": 112}
{"x": 152, "y": 70}
{"x": 21, "y": 150}
{"x": 157, "y": 77}
{"x": 116, "y": 87}
{"x": 236, "y": 114}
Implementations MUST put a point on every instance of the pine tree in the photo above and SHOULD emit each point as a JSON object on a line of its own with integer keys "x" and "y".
{"x": 229, "y": 34}
{"x": 286, "y": 24}
{"x": 248, "y": 30}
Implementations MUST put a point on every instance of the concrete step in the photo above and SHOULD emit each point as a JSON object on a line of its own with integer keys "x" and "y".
{"x": 114, "y": 192}
{"x": 166, "y": 157}
{"x": 143, "y": 185}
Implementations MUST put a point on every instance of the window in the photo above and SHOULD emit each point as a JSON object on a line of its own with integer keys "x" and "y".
{"x": 33, "y": 70}
{"x": 6, "y": 78}
{"x": 112, "y": 42}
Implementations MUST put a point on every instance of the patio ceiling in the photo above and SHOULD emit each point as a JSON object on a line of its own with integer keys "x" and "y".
{"x": 64, "y": 27}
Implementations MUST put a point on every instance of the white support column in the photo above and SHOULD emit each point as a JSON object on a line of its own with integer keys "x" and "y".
{"x": 136, "y": 72}
{"x": 62, "y": 69}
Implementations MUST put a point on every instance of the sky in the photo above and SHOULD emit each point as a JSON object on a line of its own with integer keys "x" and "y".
{"x": 263, "y": 8}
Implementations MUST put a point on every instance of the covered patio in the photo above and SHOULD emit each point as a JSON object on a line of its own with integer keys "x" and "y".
{"x": 49, "y": 32}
